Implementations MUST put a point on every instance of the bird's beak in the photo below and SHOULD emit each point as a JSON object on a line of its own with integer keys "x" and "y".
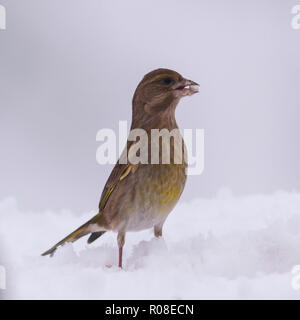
{"x": 185, "y": 87}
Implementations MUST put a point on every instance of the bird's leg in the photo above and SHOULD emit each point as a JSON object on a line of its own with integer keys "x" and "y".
{"x": 158, "y": 230}
{"x": 121, "y": 241}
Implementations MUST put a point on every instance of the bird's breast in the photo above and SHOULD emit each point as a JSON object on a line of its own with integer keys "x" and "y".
{"x": 156, "y": 191}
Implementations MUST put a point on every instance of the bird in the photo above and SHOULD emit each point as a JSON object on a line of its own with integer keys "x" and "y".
{"x": 139, "y": 196}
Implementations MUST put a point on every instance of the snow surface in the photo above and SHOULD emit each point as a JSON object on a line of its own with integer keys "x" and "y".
{"x": 227, "y": 247}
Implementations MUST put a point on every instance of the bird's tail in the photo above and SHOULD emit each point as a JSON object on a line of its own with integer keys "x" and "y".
{"x": 75, "y": 235}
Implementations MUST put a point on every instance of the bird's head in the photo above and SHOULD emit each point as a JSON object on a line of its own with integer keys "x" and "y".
{"x": 161, "y": 90}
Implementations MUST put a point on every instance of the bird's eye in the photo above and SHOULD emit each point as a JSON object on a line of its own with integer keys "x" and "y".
{"x": 167, "y": 80}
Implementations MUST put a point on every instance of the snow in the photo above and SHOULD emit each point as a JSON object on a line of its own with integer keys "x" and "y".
{"x": 226, "y": 247}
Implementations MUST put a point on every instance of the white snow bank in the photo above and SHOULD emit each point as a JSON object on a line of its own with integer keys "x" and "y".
{"x": 222, "y": 248}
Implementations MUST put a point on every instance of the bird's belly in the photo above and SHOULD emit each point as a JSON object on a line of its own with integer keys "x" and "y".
{"x": 155, "y": 195}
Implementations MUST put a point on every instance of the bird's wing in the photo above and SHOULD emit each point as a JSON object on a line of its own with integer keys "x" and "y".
{"x": 119, "y": 172}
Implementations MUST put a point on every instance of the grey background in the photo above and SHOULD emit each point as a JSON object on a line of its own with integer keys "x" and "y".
{"x": 69, "y": 68}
